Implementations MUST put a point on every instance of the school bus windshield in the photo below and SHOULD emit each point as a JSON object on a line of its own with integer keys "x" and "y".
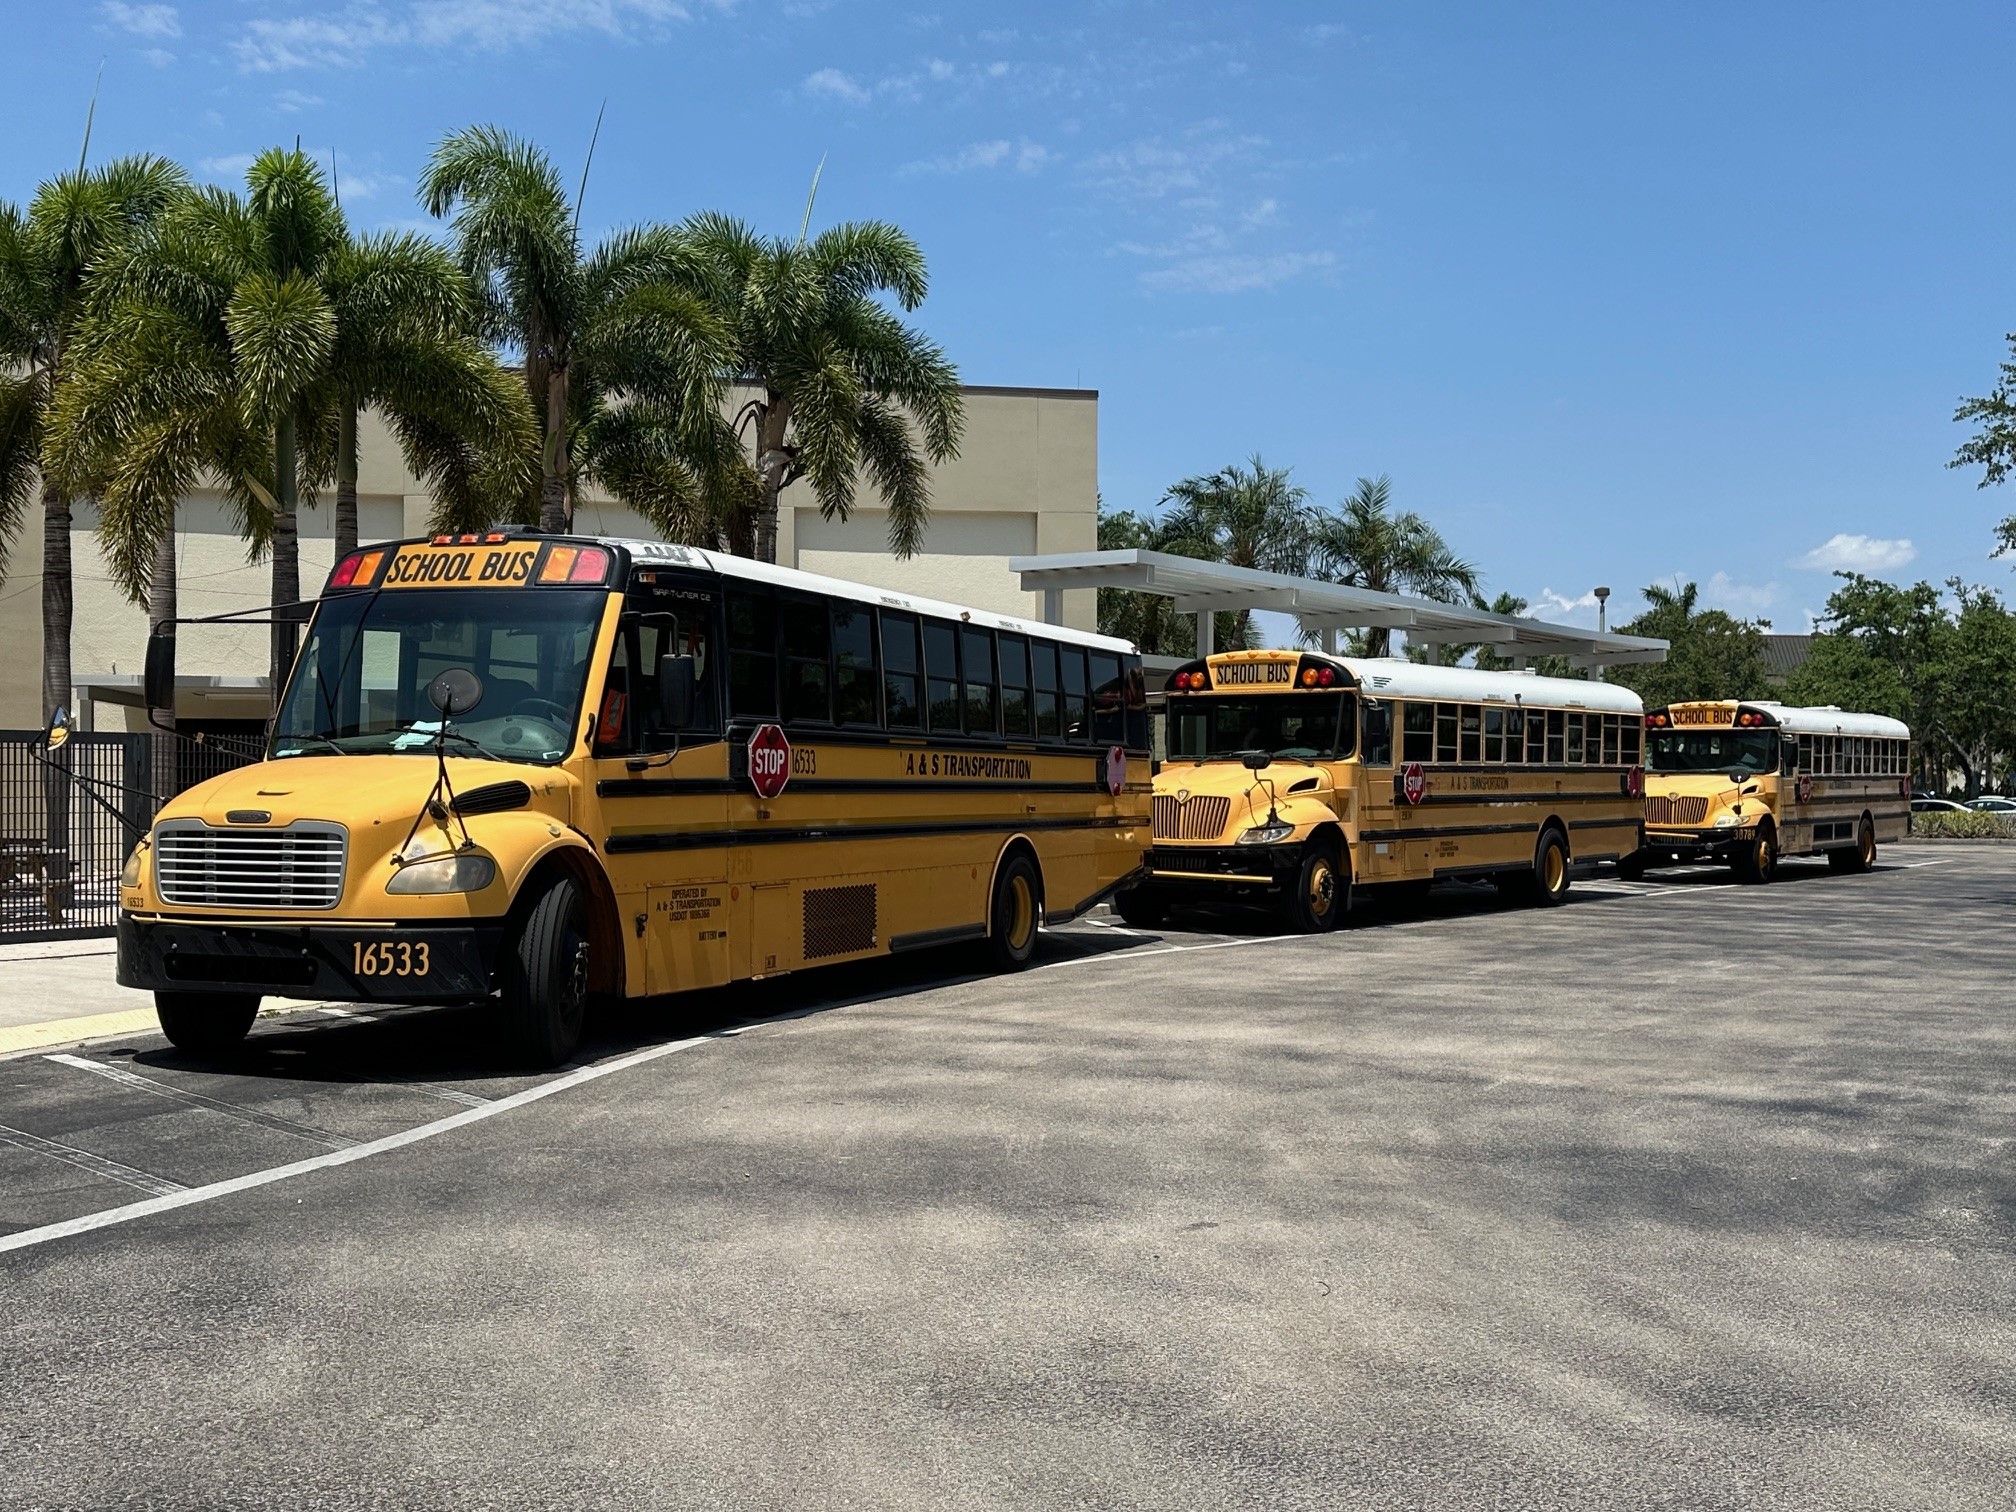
{"x": 360, "y": 686}
{"x": 1293, "y": 726}
{"x": 1737, "y": 752}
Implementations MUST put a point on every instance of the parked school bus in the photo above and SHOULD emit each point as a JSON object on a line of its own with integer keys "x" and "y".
{"x": 1297, "y": 779}
{"x": 1746, "y": 783}
{"x": 521, "y": 770}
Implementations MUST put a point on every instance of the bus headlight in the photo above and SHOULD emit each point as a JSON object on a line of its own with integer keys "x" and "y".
{"x": 130, "y": 877}
{"x": 1725, "y": 821}
{"x": 1266, "y": 834}
{"x": 460, "y": 872}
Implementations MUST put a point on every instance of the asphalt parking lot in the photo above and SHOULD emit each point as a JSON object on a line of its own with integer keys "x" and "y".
{"x": 1682, "y": 1196}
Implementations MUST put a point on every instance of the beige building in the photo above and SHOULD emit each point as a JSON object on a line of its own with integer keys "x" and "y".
{"x": 1026, "y": 481}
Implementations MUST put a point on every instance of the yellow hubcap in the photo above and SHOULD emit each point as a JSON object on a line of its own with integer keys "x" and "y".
{"x": 1022, "y": 915}
{"x": 1322, "y": 889}
{"x": 1868, "y": 846}
{"x": 1556, "y": 868}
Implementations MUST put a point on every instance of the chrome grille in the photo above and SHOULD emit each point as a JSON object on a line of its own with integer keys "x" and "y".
{"x": 1675, "y": 810}
{"x": 1190, "y": 818}
{"x": 300, "y": 866}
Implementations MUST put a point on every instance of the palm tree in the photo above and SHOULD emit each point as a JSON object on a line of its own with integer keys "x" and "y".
{"x": 624, "y": 354}
{"x": 841, "y": 383}
{"x": 1251, "y": 516}
{"x": 1364, "y": 545}
{"x": 73, "y": 222}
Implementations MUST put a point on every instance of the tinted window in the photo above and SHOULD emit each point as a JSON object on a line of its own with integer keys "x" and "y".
{"x": 752, "y": 655}
{"x": 1417, "y": 741}
{"x": 1137, "y": 703}
{"x": 901, "y": 682}
{"x": 1077, "y": 706}
{"x": 1049, "y": 706}
{"x": 941, "y": 674}
{"x": 808, "y": 688}
{"x": 1017, "y": 712}
{"x": 854, "y": 681}
{"x": 976, "y": 649}
{"x": 1109, "y": 700}
{"x": 1378, "y": 734}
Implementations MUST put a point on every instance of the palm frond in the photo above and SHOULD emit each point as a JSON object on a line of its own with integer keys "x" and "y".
{"x": 23, "y": 397}
{"x": 866, "y": 257}
{"x": 889, "y": 454}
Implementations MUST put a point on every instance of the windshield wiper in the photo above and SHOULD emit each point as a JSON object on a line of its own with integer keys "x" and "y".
{"x": 471, "y": 742}
{"x": 326, "y": 740}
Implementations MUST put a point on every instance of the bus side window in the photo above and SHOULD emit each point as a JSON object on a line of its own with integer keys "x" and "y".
{"x": 1077, "y": 707}
{"x": 1109, "y": 700}
{"x": 612, "y": 719}
{"x": 1472, "y": 747}
{"x": 752, "y": 655}
{"x": 900, "y": 671}
{"x": 855, "y": 700}
{"x": 1536, "y": 737}
{"x": 1378, "y": 733}
{"x": 1612, "y": 739}
{"x": 976, "y": 650}
{"x": 1137, "y": 704}
{"x": 808, "y": 674}
{"x": 1632, "y": 729}
{"x": 1446, "y": 719}
{"x": 1417, "y": 739}
{"x": 1494, "y": 734}
{"x": 1557, "y": 737}
{"x": 1049, "y": 710}
{"x": 941, "y": 675}
{"x": 1574, "y": 747}
{"x": 1015, "y": 708}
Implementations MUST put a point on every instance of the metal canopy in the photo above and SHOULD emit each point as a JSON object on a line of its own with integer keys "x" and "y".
{"x": 1202, "y": 588}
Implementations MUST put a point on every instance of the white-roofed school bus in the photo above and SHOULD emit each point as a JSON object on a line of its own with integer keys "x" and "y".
{"x": 1746, "y": 782}
{"x": 518, "y": 770}
{"x": 1299, "y": 780}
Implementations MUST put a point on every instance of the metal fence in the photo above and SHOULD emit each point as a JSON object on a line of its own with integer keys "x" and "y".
{"x": 69, "y": 818}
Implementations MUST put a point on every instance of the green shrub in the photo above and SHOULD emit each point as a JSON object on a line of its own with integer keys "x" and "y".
{"x": 1946, "y": 825}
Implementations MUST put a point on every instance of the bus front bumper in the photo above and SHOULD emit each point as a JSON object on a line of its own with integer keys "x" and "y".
{"x": 406, "y": 963}
{"x": 1676, "y": 847}
{"x": 1222, "y": 870}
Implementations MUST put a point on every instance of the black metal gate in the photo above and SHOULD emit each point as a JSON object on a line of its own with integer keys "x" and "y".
{"x": 69, "y": 818}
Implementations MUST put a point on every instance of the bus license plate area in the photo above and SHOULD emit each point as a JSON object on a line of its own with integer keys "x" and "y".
{"x": 336, "y": 963}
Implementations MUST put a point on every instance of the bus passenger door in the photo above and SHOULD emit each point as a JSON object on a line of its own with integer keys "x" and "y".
{"x": 1373, "y": 858}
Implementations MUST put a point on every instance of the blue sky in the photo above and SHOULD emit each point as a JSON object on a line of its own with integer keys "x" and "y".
{"x": 1613, "y": 292}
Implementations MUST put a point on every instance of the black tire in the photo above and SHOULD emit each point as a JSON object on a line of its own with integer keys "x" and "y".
{"x": 1320, "y": 893}
{"x": 1863, "y": 857}
{"x": 545, "y": 998}
{"x": 1142, "y": 907}
{"x": 206, "y": 1023}
{"x": 1757, "y": 863}
{"x": 1015, "y": 914}
{"x": 1545, "y": 884}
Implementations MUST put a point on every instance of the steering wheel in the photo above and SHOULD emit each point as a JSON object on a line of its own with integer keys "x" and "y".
{"x": 534, "y": 705}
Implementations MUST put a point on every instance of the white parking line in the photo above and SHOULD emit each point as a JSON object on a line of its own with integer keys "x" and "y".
{"x": 28, "y": 1238}
{"x": 209, "y": 1104}
{"x": 84, "y": 1160}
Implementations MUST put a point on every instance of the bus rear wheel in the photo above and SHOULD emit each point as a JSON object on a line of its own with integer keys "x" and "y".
{"x": 1547, "y": 883}
{"x": 206, "y": 1023}
{"x": 1015, "y": 913}
{"x": 546, "y": 978}
{"x": 1319, "y": 894}
{"x": 1757, "y": 862}
{"x": 1860, "y": 859}
{"x": 1142, "y": 907}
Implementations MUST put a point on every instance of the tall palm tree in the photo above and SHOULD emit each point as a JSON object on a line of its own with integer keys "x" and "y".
{"x": 625, "y": 357}
{"x": 842, "y": 386}
{"x": 1252, "y": 516}
{"x": 74, "y": 221}
{"x": 1364, "y": 545}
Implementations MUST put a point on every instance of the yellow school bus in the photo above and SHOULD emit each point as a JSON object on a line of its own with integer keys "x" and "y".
{"x": 521, "y": 770}
{"x": 1746, "y": 783}
{"x": 1300, "y": 779}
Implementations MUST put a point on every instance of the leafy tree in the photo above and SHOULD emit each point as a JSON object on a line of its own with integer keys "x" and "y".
{"x": 1152, "y": 620}
{"x": 1711, "y": 655}
{"x": 46, "y": 254}
{"x": 1491, "y": 659}
{"x": 841, "y": 386}
{"x": 1365, "y": 545}
{"x": 625, "y": 354}
{"x": 1253, "y": 516}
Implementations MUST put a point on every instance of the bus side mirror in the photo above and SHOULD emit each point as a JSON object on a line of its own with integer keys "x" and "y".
{"x": 678, "y": 684}
{"x": 1257, "y": 761}
{"x": 1788, "y": 756}
{"x": 159, "y": 682}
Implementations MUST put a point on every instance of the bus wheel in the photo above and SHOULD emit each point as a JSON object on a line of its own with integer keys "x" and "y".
{"x": 546, "y": 978}
{"x": 1547, "y": 883}
{"x": 1015, "y": 913}
{"x": 1318, "y": 896}
{"x": 1142, "y": 907}
{"x": 1758, "y": 861}
{"x": 205, "y": 1023}
{"x": 1860, "y": 859}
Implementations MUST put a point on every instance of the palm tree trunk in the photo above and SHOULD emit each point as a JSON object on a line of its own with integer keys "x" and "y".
{"x": 57, "y": 607}
{"x": 346, "y": 483}
{"x": 286, "y": 554}
{"x": 554, "y": 514}
{"x": 773, "y": 464}
{"x": 1378, "y": 642}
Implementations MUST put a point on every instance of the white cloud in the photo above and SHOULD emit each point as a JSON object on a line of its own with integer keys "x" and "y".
{"x": 1158, "y": 167}
{"x": 831, "y": 84}
{"x": 232, "y": 166}
{"x": 333, "y": 38}
{"x": 1264, "y": 213}
{"x": 291, "y": 100}
{"x": 939, "y": 69}
{"x": 1742, "y": 599}
{"x": 1552, "y": 603}
{"x": 1234, "y": 273}
{"x": 1858, "y": 553}
{"x": 160, "y": 57}
{"x": 143, "y": 20}
{"x": 997, "y": 70}
{"x": 1025, "y": 157}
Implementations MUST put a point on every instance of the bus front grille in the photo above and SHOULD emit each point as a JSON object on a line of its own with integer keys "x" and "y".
{"x": 1675, "y": 810}
{"x": 298, "y": 867}
{"x": 1200, "y": 818}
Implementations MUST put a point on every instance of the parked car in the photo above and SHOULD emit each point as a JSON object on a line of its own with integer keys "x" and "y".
{"x": 1937, "y": 806}
{"x": 1993, "y": 804}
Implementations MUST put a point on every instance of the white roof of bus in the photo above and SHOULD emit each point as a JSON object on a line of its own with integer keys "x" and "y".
{"x": 1396, "y": 677}
{"x": 663, "y": 553}
{"x": 1830, "y": 721}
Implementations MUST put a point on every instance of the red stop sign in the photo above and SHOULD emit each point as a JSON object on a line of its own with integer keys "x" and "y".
{"x": 769, "y": 761}
{"x": 1413, "y": 782}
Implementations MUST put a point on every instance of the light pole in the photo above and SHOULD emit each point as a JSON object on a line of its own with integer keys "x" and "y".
{"x": 1602, "y": 623}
